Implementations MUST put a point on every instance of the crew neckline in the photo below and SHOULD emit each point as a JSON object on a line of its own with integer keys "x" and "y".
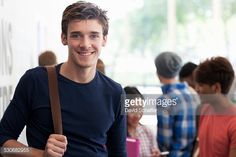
{"x": 60, "y": 76}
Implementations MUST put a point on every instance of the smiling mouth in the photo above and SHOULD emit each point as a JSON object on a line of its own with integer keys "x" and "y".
{"x": 85, "y": 53}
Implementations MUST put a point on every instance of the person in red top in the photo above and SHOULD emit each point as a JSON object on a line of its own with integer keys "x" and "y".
{"x": 217, "y": 129}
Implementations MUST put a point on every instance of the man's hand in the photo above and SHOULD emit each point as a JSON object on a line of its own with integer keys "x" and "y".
{"x": 56, "y": 146}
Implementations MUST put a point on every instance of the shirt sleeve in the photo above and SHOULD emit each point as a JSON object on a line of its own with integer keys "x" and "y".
{"x": 232, "y": 134}
{"x": 152, "y": 138}
{"x": 116, "y": 136}
{"x": 164, "y": 132}
{"x": 17, "y": 112}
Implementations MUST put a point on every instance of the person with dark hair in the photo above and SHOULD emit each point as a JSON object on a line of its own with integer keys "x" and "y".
{"x": 186, "y": 73}
{"x": 176, "y": 128}
{"x": 217, "y": 129}
{"x": 47, "y": 58}
{"x": 93, "y": 125}
{"x": 148, "y": 145}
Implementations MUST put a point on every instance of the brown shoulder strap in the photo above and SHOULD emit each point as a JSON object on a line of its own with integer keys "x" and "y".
{"x": 54, "y": 99}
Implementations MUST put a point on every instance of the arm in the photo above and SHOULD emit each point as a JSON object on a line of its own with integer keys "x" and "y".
{"x": 164, "y": 131}
{"x": 30, "y": 152}
{"x": 232, "y": 135}
{"x": 152, "y": 138}
{"x": 155, "y": 152}
{"x": 196, "y": 148}
{"x": 232, "y": 152}
{"x": 55, "y": 147}
{"x": 18, "y": 111}
{"x": 17, "y": 115}
{"x": 116, "y": 138}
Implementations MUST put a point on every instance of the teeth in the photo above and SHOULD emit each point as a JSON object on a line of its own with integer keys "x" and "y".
{"x": 85, "y": 54}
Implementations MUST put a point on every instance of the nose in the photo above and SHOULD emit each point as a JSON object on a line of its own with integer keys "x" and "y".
{"x": 85, "y": 43}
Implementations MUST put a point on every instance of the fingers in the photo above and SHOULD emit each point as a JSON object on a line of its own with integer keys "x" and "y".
{"x": 58, "y": 140}
{"x": 56, "y": 145}
{"x": 155, "y": 152}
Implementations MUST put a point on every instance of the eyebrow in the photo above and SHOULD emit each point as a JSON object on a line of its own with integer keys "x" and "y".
{"x": 78, "y": 32}
{"x": 95, "y": 32}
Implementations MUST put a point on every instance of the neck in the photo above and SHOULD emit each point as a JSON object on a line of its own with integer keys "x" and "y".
{"x": 132, "y": 130}
{"x": 77, "y": 74}
{"x": 221, "y": 103}
{"x": 168, "y": 81}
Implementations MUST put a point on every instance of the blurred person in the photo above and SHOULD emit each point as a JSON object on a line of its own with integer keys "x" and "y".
{"x": 232, "y": 92}
{"x": 148, "y": 145}
{"x": 186, "y": 73}
{"x": 47, "y": 58}
{"x": 90, "y": 102}
{"x": 176, "y": 127}
{"x": 217, "y": 129}
{"x": 100, "y": 66}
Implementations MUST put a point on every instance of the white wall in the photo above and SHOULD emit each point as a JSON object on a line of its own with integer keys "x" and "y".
{"x": 27, "y": 27}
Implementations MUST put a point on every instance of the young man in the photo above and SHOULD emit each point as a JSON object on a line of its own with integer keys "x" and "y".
{"x": 90, "y": 102}
{"x": 186, "y": 74}
{"x": 217, "y": 129}
{"x": 176, "y": 112}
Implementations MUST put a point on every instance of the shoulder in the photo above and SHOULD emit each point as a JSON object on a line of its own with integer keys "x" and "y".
{"x": 109, "y": 84}
{"x": 232, "y": 127}
{"x": 206, "y": 109}
{"x": 37, "y": 71}
{"x": 34, "y": 74}
{"x": 147, "y": 129}
{"x": 32, "y": 80}
{"x": 186, "y": 94}
{"x": 232, "y": 114}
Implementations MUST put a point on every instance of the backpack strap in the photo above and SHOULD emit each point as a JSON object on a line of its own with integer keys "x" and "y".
{"x": 54, "y": 99}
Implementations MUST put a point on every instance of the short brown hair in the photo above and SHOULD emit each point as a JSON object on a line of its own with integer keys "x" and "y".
{"x": 213, "y": 70}
{"x": 47, "y": 58}
{"x": 84, "y": 11}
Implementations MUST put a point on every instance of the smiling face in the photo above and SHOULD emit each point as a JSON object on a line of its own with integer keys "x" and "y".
{"x": 85, "y": 40}
{"x": 133, "y": 119}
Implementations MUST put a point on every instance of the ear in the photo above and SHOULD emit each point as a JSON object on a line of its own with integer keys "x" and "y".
{"x": 104, "y": 41}
{"x": 63, "y": 39}
{"x": 216, "y": 87}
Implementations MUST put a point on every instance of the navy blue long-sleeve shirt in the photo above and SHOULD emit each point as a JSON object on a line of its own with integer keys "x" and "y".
{"x": 91, "y": 114}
